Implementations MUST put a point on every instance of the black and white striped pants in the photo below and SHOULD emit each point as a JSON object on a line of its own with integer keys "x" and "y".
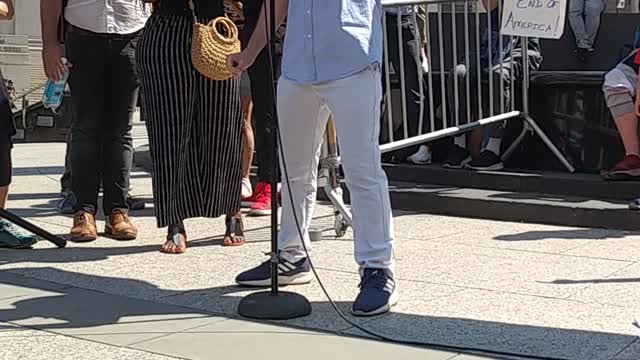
{"x": 194, "y": 125}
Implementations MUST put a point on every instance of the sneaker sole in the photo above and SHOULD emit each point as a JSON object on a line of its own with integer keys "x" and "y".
{"x": 496, "y": 167}
{"x": 109, "y": 234}
{"x": 415, "y": 162}
{"x": 298, "y": 279}
{"x": 462, "y": 165}
{"x": 83, "y": 239}
{"x": 393, "y": 300}
{"x": 621, "y": 175}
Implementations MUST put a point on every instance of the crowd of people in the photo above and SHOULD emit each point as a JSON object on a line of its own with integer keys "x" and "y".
{"x": 203, "y": 133}
{"x": 200, "y": 131}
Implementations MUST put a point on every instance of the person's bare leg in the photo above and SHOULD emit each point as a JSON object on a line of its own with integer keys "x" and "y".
{"x": 234, "y": 234}
{"x": 475, "y": 142}
{"x": 176, "y": 239}
{"x": 628, "y": 128}
{"x": 248, "y": 142}
{"x": 4, "y": 195}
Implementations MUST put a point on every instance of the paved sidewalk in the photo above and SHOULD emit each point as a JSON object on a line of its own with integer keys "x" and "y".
{"x": 529, "y": 289}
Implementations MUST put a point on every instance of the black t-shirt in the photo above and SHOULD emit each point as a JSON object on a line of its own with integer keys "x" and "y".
{"x": 251, "y": 13}
{"x": 252, "y": 10}
{"x": 205, "y": 9}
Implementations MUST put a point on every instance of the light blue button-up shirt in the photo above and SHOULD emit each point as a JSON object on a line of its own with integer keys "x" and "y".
{"x": 331, "y": 39}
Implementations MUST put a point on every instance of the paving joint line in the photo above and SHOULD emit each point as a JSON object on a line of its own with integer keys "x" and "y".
{"x": 625, "y": 348}
{"x": 52, "y": 333}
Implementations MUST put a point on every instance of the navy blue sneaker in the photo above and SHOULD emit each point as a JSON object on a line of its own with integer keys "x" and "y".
{"x": 289, "y": 273}
{"x": 377, "y": 293}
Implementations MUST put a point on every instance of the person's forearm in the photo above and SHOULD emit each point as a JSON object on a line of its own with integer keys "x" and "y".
{"x": 260, "y": 33}
{"x": 50, "y": 11}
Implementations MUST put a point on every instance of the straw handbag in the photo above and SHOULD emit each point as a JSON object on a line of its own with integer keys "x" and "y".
{"x": 210, "y": 48}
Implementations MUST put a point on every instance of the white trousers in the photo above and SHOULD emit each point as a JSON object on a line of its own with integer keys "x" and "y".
{"x": 303, "y": 112}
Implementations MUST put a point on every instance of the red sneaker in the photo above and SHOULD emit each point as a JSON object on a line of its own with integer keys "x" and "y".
{"x": 262, "y": 202}
{"x": 629, "y": 167}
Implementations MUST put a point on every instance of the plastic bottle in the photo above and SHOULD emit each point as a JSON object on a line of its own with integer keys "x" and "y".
{"x": 54, "y": 90}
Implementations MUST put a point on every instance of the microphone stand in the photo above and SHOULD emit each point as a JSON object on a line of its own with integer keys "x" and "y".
{"x": 274, "y": 304}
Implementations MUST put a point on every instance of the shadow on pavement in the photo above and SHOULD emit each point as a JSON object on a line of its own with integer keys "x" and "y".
{"x": 573, "y": 234}
{"x": 88, "y": 254}
{"x": 70, "y": 307}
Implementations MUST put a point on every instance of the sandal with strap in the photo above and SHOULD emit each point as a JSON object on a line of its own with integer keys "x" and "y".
{"x": 234, "y": 235}
{"x": 176, "y": 235}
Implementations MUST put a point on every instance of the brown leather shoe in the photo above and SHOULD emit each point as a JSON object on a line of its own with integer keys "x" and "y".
{"x": 84, "y": 227}
{"x": 119, "y": 226}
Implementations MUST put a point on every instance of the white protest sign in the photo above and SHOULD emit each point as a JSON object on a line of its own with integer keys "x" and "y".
{"x": 534, "y": 18}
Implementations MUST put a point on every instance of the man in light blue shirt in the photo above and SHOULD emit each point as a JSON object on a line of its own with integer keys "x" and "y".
{"x": 331, "y": 66}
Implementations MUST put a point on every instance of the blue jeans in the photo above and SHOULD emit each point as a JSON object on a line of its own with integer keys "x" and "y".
{"x": 584, "y": 17}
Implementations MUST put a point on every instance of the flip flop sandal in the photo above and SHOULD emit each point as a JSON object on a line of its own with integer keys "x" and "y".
{"x": 234, "y": 235}
{"x": 174, "y": 237}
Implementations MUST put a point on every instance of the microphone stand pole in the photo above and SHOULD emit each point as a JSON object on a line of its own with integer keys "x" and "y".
{"x": 274, "y": 304}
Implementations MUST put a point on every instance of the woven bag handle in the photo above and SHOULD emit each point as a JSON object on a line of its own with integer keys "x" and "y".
{"x": 193, "y": 11}
{"x": 228, "y": 25}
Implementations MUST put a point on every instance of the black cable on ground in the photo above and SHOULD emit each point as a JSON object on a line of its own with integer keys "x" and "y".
{"x": 383, "y": 338}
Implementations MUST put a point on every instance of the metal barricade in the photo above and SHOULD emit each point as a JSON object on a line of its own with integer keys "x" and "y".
{"x": 442, "y": 62}
{"x": 468, "y": 42}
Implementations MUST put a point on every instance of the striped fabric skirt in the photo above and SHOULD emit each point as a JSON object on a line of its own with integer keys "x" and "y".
{"x": 194, "y": 126}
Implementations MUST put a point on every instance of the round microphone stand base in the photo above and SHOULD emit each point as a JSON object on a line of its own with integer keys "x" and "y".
{"x": 266, "y": 306}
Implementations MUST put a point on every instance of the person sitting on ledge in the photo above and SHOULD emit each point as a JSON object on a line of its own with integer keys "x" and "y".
{"x": 620, "y": 90}
{"x": 584, "y": 18}
{"x": 500, "y": 63}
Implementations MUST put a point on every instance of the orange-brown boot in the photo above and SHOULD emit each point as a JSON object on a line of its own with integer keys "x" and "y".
{"x": 119, "y": 226}
{"x": 84, "y": 227}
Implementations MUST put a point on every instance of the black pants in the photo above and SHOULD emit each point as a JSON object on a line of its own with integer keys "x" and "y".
{"x": 65, "y": 181}
{"x": 263, "y": 112}
{"x": 104, "y": 88}
{"x": 411, "y": 52}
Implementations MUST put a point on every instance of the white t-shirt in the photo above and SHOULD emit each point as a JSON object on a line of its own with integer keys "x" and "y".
{"x": 107, "y": 16}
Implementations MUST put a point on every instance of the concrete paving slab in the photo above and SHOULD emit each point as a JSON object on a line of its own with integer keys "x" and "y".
{"x": 631, "y": 352}
{"x": 498, "y": 269}
{"x": 616, "y": 289}
{"x": 341, "y": 286}
{"x": 79, "y": 312}
{"x": 11, "y": 288}
{"x": 622, "y": 247}
{"x": 507, "y": 322}
{"x": 273, "y": 342}
{"x": 8, "y": 330}
{"x": 39, "y": 345}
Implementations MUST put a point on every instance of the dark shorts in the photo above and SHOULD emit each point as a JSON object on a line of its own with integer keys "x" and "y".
{"x": 5, "y": 160}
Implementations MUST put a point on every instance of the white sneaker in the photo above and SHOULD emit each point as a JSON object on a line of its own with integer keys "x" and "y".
{"x": 421, "y": 157}
{"x": 247, "y": 191}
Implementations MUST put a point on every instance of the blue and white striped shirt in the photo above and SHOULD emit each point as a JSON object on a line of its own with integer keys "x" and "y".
{"x": 331, "y": 39}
